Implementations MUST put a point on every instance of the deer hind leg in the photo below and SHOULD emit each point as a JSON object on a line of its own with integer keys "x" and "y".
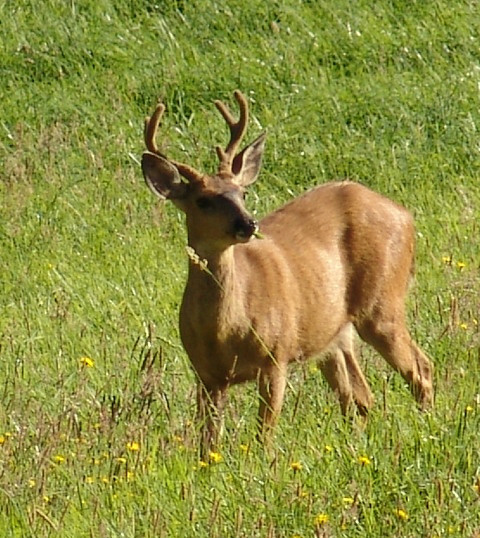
{"x": 210, "y": 405}
{"x": 391, "y": 338}
{"x": 344, "y": 375}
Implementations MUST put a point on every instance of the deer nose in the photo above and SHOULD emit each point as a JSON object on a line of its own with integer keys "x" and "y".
{"x": 245, "y": 228}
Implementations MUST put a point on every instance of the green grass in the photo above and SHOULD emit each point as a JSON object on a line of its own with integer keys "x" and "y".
{"x": 385, "y": 93}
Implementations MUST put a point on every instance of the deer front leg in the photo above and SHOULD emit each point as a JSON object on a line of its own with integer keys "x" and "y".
{"x": 210, "y": 405}
{"x": 271, "y": 387}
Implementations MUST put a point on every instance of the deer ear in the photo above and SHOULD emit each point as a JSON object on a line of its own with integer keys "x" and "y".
{"x": 246, "y": 165}
{"x": 162, "y": 177}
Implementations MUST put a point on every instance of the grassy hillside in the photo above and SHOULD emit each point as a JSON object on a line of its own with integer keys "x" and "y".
{"x": 97, "y": 434}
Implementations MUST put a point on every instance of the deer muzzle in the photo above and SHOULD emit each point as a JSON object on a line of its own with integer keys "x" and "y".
{"x": 244, "y": 229}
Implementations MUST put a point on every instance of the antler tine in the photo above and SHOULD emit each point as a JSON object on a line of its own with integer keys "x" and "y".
{"x": 237, "y": 130}
{"x": 151, "y": 126}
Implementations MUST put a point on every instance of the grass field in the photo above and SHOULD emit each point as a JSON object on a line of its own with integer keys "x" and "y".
{"x": 96, "y": 393}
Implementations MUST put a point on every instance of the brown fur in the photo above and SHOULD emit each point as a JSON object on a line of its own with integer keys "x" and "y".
{"x": 337, "y": 257}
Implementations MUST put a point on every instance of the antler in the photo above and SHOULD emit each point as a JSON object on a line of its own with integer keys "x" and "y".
{"x": 237, "y": 131}
{"x": 151, "y": 126}
{"x": 150, "y": 131}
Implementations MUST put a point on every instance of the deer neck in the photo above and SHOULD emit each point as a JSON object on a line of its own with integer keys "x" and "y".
{"x": 213, "y": 287}
{"x": 214, "y": 272}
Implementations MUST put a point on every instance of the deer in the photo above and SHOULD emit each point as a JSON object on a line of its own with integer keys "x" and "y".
{"x": 298, "y": 284}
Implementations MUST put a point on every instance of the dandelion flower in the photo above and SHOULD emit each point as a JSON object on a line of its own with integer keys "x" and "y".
{"x": 89, "y": 480}
{"x": 87, "y": 362}
{"x": 321, "y": 519}
{"x": 32, "y": 483}
{"x": 133, "y": 446}
{"x": 121, "y": 460}
{"x": 59, "y": 458}
{"x": 296, "y": 466}
{"x": 463, "y": 326}
{"x": 215, "y": 457}
{"x": 2, "y": 439}
{"x": 244, "y": 448}
{"x": 202, "y": 464}
{"x": 401, "y": 514}
{"x": 469, "y": 409}
{"x": 328, "y": 448}
{"x": 447, "y": 260}
{"x": 348, "y": 500}
{"x": 461, "y": 265}
{"x": 364, "y": 460}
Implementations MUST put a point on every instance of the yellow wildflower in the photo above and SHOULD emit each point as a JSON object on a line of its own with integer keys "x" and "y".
{"x": 244, "y": 448}
{"x": 463, "y": 326}
{"x": 215, "y": 457}
{"x": 296, "y": 466}
{"x": 447, "y": 260}
{"x": 59, "y": 458}
{"x": 87, "y": 362}
{"x": 401, "y": 514}
{"x": 328, "y": 448}
{"x": 364, "y": 460}
{"x": 32, "y": 483}
{"x": 461, "y": 265}
{"x": 89, "y": 480}
{"x": 202, "y": 464}
{"x": 348, "y": 500}
{"x": 2, "y": 439}
{"x": 121, "y": 460}
{"x": 105, "y": 479}
{"x": 133, "y": 446}
{"x": 469, "y": 409}
{"x": 321, "y": 519}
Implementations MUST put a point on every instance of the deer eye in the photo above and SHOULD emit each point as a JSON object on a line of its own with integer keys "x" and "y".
{"x": 204, "y": 203}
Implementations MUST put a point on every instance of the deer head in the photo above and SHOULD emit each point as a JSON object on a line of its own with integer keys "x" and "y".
{"x": 214, "y": 204}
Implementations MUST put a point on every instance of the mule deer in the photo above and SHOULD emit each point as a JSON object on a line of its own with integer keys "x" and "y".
{"x": 337, "y": 257}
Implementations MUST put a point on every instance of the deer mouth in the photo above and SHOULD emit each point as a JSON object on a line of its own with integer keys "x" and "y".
{"x": 244, "y": 230}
